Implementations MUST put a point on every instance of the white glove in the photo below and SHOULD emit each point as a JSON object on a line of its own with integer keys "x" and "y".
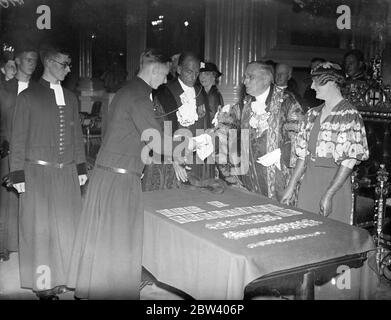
{"x": 20, "y": 187}
{"x": 82, "y": 179}
{"x": 204, "y": 145}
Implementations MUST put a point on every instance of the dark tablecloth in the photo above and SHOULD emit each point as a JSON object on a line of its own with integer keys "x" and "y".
{"x": 207, "y": 265}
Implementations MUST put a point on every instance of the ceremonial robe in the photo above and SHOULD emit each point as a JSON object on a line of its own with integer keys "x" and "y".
{"x": 50, "y": 134}
{"x": 282, "y": 127}
{"x": 9, "y": 200}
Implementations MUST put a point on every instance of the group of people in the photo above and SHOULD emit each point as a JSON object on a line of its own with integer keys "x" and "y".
{"x": 94, "y": 246}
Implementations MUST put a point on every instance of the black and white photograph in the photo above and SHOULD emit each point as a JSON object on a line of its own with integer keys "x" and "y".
{"x": 221, "y": 151}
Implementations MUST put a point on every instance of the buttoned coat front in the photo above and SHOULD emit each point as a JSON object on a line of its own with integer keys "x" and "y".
{"x": 51, "y": 204}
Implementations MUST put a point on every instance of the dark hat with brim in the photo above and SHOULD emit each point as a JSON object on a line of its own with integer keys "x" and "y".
{"x": 210, "y": 66}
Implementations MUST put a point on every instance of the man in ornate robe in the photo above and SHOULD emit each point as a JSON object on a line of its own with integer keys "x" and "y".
{"x": 47, "y": 167}
{"x": 182, "y": 102}
{"x": 26, "y": 61}
{"x": 269, "y": 123}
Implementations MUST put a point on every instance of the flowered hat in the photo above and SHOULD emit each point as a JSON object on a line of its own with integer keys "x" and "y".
{"x": 328, "y": 71}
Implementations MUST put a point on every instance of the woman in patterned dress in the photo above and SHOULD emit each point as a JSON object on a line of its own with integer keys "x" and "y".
{"x": 331, "y": 141}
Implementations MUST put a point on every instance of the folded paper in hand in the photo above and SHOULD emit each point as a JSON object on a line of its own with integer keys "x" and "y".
{"x": 271, "y": 158}
{"x": 204, "y": 145}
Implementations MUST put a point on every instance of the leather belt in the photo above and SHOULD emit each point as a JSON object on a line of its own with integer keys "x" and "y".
{"x": 50, "y": 164}
{"x": 118, "y": 170}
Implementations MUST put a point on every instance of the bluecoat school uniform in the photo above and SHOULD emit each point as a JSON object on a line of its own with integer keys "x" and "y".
{"x": 9, "y": 201}
{"x": 47, "y": 152}
{"x": 106, "y": 260}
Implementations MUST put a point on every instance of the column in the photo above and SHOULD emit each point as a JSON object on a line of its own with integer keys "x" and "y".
{"x": 85, "y": 62}
{"x": 233, "y": 37}
{"x": 90, "y": 89}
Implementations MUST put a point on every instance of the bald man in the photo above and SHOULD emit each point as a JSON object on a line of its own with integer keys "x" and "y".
{"x": 271, "y": 115}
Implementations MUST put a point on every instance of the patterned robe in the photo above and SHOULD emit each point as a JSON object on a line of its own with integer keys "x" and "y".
{"x": 283, "y": 123}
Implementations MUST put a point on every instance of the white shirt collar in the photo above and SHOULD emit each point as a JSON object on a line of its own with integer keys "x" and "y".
{"x": 22, "y": 85}
{"x": 282, "y": 87}
{"x": 262, "y": 97}
{"x": 187, "y": 89}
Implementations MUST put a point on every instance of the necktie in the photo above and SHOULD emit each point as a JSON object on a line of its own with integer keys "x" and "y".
{"x": 59, "y": 94}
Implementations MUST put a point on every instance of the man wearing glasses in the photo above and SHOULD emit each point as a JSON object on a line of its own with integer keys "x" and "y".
{"x": 26, "y": 60}
{"x": 47, "y": 163}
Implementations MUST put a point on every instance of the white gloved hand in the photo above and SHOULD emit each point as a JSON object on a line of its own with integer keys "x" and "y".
{"x": 82, "y": 179}
{"x": 204, "y": 145}
{"x": 20, "y": 187}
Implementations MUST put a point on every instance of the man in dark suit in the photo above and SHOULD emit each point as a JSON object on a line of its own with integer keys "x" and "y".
{"x": 185, "y": 104}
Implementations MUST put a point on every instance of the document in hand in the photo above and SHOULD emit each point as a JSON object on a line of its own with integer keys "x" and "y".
{"x": 204, "y": 145}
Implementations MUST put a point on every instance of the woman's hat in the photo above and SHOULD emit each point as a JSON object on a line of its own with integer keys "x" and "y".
{"x": 329, "y": 70}
{"x": 210, "y": 66}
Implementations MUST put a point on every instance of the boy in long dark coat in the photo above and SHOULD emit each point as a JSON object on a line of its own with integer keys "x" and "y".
{"x": 106, "y": 259}
{"x": 47, "y": 163}
{"x": 26, "y": 60}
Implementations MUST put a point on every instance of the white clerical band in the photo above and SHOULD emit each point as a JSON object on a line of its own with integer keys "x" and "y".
{"x": 22, "y": 86}
{"x": 59, "y": 94}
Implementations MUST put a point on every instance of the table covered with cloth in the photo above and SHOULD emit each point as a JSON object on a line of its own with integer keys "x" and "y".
{"x": 211, "y": 259}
